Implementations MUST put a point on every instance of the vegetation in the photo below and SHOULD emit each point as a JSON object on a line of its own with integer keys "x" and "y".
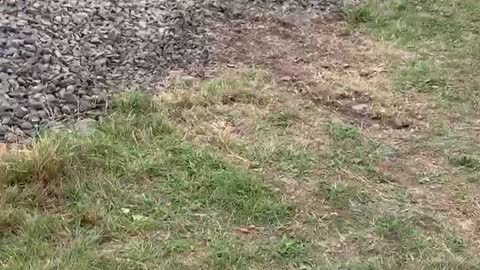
{"x": 240, "y": 172}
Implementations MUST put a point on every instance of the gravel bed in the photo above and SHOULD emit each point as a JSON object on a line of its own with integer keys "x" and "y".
{"x": 61, "y": 58}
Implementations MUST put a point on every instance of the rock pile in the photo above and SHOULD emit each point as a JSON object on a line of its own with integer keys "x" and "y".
{"x": 59, "y": 57}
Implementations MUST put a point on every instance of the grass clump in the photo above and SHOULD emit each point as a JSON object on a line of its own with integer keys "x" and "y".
{"x": 466, "y": 161}
{"x": 283, "y": 118}
{"x": 239, "y": 87}
{"x": 409, "y": 22}
{"x": 411, "y": 240}
{"x": 289, "y": 248}
{"x": 419, "y": 76}
{"x": 362, "y": 14}
{"x": 134, "y": 102}
{"x": 352, "y": 151}
{"x": 230, "y": 255}
{"x": 340, "y": 195}
{"x": 295, "y": 161}
{"x": 340, "y": 131}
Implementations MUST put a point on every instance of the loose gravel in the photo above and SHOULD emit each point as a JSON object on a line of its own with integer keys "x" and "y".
{"x": 61, "y": 58}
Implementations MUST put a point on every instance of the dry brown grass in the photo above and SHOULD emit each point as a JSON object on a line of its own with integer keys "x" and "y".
{"x": 347, "y": 173}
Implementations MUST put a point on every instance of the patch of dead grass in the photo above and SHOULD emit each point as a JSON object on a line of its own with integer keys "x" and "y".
{"x": 329, "y": 199}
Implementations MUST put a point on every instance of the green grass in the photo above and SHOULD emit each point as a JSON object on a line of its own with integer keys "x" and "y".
{"x": 340, "y": 131}
{"x": 466, "y": 161}
{"x": 403, "y": 232}
{"x": 342, "y": 196}
{"x": 355, "y": 153}
{"x": 412, "y": 22}
{"x": 456, "y": 244}
{"x": 296, "y": 162}
{"x": 69, "y": 196}
{"x": 289, "y": 248}
{"x": 443, "y": 34}
{"x": 283, "y": 118}
{"x": 419, "y": 76}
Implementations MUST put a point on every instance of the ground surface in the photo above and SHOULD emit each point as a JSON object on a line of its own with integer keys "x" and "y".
{"x": 59, "y": 60}
{"x": 317, "y": 144}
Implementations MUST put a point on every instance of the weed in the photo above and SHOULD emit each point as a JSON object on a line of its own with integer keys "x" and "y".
{"x": 244, "y": 87}
{"x": 177, "y": 246}
{"x": 340, "y": 131}
{"x": 402, "y": 196}
{"x": 289, "y": 248}
{"x": 283, "y": 118}
{"x": 465, "y": 161}
{"x": 362, "y": 14}
{"x": 134, "y": 102}
{"x": 419, "y": 76}
{"x": 229, "y": 255}
{"x": 456, "y": 244}
{"x": 394, "y": 228}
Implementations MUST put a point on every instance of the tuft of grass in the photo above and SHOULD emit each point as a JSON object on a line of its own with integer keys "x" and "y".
{"x": 341, "y": 196}
{"x": 394, "y": 228}
{"x": 133, "y": 102}
{"x": 294, "y": 161}
{"x": 230, "y": 255}
{"x": 466, "y": 161}
{"x": 362, "y": 14}
{"x": 238, "y": 87}
{"x": 178, "y": 246}
{"x": 289, "y": 248}
{"x": 341, "y": 131}
{"x": 419, "y": 76}
{"x": 400, "y": 231}
{"x": 456, "y": 244}
{"x": 409, "y": 22}
{"x": 353, "y": 153}
{"x": 283, "y": 118}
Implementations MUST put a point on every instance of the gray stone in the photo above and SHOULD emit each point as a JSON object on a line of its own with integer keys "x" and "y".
{"x": 361, "y": 109}
{"x": 86, "y": 126}
{"x": 10, "y": 137}
{"x": 400, "y": 123}
{"x": 66, "y": 109}
{"x": 20, "y": 112}
{"x": 37, "y": 105}
{"x": 364, "y": 73}
{"x": 26, "y": 125}
{"x": 84, "y": 105}
{"x": 4, "y": 129}
{"x": 70, "y": 98}
{"x": 35, "y": 119}
{"x": 6, "y": 117}
{"x": 3, "y": 77}
{"x": 4, "y": 87}
{"x": 5, "y": 107}
{"x": 10, "y": 51}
